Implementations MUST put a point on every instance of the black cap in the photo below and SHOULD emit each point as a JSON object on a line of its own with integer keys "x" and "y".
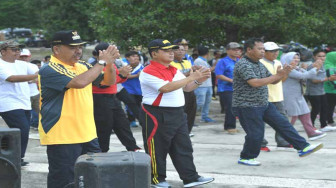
{"x": 160, "y": 44}
{"x": 181, "y": 41}
{"x": 69, "y": 37}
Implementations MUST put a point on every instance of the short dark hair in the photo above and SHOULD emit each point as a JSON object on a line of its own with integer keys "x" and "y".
{"x": 100, "y": 47}
{"x": 202, "y": 50}
{"x": 36, "y": 62}
{"x": 318, "y": 50}
{"x": 250, "y": 43}
{"x": 130, "y": 53}
{"x": 150, "y": 52}
{"x": 216, "y": 52}
{"x": 46, "y": 57}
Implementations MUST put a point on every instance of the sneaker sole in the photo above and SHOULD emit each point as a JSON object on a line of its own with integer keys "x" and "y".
{"x": 314, "y": 150}
{"x": 198, "y": 183}
{"x": 327, "y": 130}
{"x": 155, "y": 186}
{"x": 248, "y": 164}
{"x": 317, "y": 137}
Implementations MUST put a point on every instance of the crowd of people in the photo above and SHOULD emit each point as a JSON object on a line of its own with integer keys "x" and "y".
{"x": 77, "y": 105}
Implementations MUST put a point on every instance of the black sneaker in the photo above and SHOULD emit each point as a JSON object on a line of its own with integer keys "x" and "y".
{"x": 200, "y": 181}
{"x": 24, "y": 163}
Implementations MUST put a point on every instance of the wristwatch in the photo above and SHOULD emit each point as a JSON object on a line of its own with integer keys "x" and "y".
{"x": 102, "y": 62}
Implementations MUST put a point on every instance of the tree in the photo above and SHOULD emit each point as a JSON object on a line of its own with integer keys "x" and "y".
{"x": 63, "y": 15}
{"x": 131, "y": 23}
{"x": 15, "y": 14}
{"x": 134, "y": 22}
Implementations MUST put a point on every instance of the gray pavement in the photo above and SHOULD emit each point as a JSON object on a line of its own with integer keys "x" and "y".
{"x": 216, "y": 154}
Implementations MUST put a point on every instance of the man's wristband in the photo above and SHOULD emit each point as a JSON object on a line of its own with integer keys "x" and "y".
{"x": 197, "y": 82}
{"x": 121, "y": 76}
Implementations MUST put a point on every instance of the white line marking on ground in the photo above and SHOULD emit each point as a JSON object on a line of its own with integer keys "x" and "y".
{"x": 224, "y": 179}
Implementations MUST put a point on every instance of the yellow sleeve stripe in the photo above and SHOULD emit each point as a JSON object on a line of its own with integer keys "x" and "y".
{"x": 62, "y": 70}
{"x": 85, "y": 63}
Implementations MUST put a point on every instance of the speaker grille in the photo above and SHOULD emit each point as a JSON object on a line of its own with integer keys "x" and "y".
{"x": 9, "y": 176}
{"x": 4, "y": 143}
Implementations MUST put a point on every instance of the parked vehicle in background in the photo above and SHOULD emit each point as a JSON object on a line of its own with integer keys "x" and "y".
{"x": 25, "y": 36}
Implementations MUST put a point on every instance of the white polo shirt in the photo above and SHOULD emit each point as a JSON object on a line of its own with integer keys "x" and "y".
{"x": 152, "y": 78}
{"x": 14, "y": 96}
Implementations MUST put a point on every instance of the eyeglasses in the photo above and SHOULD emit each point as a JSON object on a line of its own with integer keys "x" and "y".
{"x": 15, "y": 49}
{"x": 176, "y": 50}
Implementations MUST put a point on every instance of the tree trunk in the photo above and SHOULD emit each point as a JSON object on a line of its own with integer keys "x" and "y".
{"x": 231, "y": 32}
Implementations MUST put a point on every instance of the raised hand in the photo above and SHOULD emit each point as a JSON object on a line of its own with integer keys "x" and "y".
{"x": 110, "y": 54}
{"x": 201, "y": 74}
{"x": 125, "y": 71}
{"x": 282, "y": 72}
{"x": 196, "y": 67}
{"x": 318, "y": 64}
{"x": 332, "y": 77}
{"x": 304, "y": 66}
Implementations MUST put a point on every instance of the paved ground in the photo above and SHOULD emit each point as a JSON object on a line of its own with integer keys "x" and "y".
{"x": 216, "y": 154}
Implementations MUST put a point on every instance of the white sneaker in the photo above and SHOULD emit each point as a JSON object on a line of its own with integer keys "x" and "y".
{"x": 200, "y": 181}
{"x": 328, "y": 128}
{"x": 310, "y": 149}
{"x": 318, "y": 135}
{"x": 249, "y": 162}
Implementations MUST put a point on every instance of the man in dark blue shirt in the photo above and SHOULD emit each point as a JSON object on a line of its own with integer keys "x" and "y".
{"x": 224, "y": 75}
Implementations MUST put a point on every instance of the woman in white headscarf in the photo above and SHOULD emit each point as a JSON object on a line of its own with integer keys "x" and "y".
{"x": 295, "y": 104}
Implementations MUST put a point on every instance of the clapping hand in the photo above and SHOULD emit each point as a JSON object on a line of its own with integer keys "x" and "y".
{"x": 125, "y": 71}
{"x": 200, "y": 74}
{"x": 318, "y": 64}
{"x": 282, "y": 72}
{"x": 109, "y": 55}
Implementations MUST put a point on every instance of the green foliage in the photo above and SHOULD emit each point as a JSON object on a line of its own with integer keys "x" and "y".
{"x": 134, "y": 22}
{"x": 15, "y": 14}
{"x": 63, "y": 15}
{"x": 210, "y": 22}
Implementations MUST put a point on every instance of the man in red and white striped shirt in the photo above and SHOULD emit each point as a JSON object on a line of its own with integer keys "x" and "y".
{"x": 164, "y": 121}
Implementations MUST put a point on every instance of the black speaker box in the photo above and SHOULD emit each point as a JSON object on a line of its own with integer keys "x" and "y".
{"x": 113, "y": 170}
{"x": 10, "y": 158}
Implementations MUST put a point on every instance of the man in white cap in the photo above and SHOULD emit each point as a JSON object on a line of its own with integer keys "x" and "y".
{"x": 25, "y": 55}
{"x": 14, "y": 96}
{"x": 275, "y": 94}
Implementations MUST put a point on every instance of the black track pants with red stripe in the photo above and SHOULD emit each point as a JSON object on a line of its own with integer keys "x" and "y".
{"x": 165, "y": 131}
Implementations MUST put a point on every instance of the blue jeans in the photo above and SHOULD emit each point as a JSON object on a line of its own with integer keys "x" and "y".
{"x": 62, "y": 159}
{"x": 19, "y": 119}
{"x": 252, "y": 120}
{"x": 230, "y": 119}
{"x": 203, "y": 100}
